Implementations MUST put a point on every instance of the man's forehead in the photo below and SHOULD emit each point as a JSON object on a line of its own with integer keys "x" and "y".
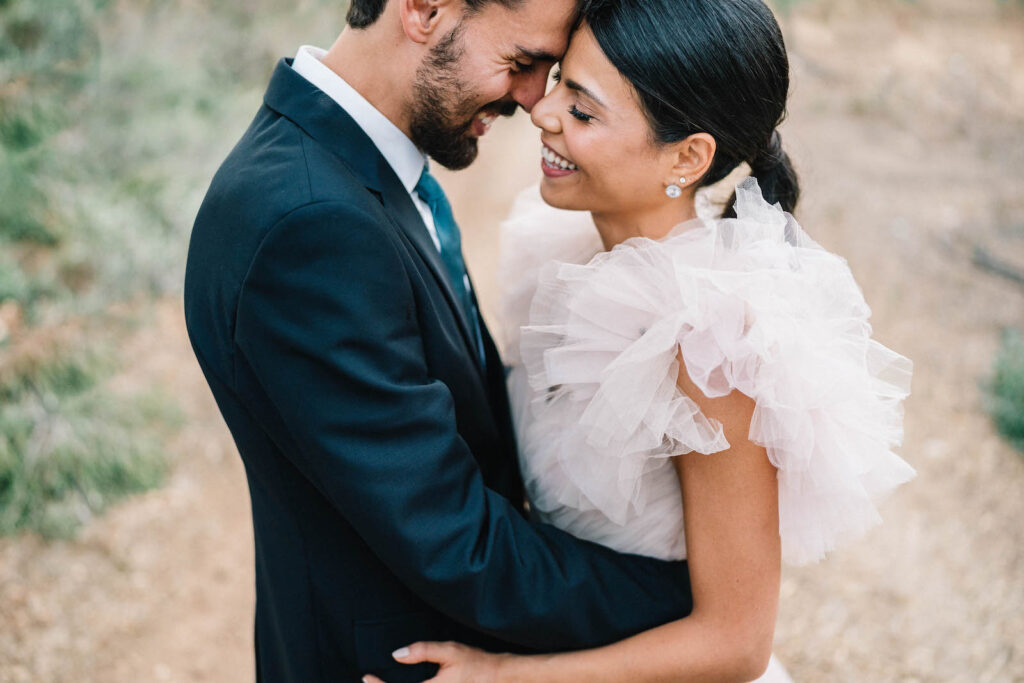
{"x": 539, "y": 29}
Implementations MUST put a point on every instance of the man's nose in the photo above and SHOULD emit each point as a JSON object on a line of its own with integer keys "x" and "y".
{"x": 529, "y": 88}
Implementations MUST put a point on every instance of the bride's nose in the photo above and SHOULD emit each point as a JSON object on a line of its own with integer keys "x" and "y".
{"x": 545, "y": 115}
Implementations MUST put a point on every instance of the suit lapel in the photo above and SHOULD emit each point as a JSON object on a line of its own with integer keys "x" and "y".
{"x": 325, "y": 121}
{"x": 398, "y": 204}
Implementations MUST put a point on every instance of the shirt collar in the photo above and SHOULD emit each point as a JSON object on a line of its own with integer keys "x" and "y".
{"x": 405, "y": 159}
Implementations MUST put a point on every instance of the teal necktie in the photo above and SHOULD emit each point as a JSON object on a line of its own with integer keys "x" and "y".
{"x": 447, "y": 230}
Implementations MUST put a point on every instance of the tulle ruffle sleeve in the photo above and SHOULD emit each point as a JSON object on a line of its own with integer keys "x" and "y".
{"x": 754, "y": 305}
{"x": 534, "y": 235}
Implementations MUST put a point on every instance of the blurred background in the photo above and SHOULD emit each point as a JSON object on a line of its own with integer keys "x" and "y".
{"x": 125, "y": 538}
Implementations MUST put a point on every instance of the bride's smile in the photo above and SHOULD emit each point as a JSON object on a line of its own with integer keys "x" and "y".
{"x": 599, "y": 154}
{"x": 554, "y": 164}
{"x": 590, "y": 120}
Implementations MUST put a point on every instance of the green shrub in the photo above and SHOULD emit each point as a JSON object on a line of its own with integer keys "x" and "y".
{"x": 48, "y": 54}
{"x": 69, "y": 447}
{"x": 113, "y": 118}
{"x": 1005, "y": 390}
{"x": 14, "y": 283}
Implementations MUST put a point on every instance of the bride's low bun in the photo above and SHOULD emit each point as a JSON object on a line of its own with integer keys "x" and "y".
{"x": 706, "y": 66}
{"x": 775, "y": 175}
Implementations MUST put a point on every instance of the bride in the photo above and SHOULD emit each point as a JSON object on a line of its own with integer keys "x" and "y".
{"x": 684, "y": 386}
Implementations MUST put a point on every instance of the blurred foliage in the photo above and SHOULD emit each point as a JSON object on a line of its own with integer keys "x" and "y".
{"x": 112, "y": 120}
{"x": 48, "y": 52}
{"x": 785, "y": 6}
{"x": 113, "y": 116}
{"x": 69, "y": 447}
{"x": 1005, "y": 390}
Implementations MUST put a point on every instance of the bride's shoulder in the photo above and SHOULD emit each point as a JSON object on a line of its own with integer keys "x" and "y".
{"x": 760, "y": 260}
{"x": 760, "y": 238}
{"x": 752, "y": 304}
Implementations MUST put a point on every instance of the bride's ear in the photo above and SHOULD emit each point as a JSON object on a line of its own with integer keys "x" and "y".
{"x": 421, "y": 18}
{"x": 692, "y": 157}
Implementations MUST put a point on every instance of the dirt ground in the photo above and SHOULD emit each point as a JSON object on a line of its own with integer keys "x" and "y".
{"x": 907, "y": 125}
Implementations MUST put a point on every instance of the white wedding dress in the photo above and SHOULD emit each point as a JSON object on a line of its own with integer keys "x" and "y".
{"x": 753, "y": 304}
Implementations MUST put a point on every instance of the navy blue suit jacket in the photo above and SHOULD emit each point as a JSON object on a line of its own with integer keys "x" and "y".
{"x": 379, "y": 452}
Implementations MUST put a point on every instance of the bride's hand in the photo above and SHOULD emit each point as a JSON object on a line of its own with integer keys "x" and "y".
{"x": 459, "y": 663}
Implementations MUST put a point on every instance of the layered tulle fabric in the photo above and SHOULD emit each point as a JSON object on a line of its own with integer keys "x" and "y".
{"x": 753, "y": 304}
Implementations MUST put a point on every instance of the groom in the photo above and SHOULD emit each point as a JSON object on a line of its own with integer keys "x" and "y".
{"x": 329, "y": 307}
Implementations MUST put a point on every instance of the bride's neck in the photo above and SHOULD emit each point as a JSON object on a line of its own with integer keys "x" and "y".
{"x": 653, "y": 223}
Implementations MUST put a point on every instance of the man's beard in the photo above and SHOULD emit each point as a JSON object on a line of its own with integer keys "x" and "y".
{"x": 441, "y": 97}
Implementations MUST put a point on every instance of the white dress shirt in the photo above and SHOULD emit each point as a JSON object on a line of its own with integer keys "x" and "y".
{"x": 405, "y": 159}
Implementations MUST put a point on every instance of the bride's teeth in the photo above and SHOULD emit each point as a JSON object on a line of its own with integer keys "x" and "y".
{"x": 554, "y": 159}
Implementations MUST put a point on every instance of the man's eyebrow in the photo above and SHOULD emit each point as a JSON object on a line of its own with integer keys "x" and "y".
{"x": 573, "y": 85}
{"x": 536, "y": 55}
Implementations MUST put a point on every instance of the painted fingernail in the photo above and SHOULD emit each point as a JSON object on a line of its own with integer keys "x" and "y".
{"x": 400, "y": 653}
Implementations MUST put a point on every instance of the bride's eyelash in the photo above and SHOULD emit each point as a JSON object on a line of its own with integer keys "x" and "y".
{"x": 580, "y": 115}
{"x": 556, "y": 76}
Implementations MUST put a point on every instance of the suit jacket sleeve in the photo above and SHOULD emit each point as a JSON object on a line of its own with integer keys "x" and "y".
{"x": 328, "y": 323}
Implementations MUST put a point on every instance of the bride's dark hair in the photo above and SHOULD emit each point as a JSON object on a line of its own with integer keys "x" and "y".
{"x": 712, "y": 66}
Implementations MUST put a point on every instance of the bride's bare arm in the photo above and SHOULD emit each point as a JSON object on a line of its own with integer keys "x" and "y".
{"x": 730, "y": 503}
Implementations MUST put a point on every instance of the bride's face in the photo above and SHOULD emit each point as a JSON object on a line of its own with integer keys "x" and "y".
{"x": 607, "y": 160}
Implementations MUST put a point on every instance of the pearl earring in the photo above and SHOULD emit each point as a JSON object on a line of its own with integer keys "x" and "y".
{"x": 673, "y": 191}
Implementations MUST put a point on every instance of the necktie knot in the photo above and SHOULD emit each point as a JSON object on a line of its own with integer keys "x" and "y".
{"x": 445, "y": 227}
{"x": 429, "y": 189}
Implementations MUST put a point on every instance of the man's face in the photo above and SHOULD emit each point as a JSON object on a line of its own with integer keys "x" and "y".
{"x": 491, "y": 63}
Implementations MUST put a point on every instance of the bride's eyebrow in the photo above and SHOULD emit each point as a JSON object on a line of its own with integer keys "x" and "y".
{"x": 573, "y": 85}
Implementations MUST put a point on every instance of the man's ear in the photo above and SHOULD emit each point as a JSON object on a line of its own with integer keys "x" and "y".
{"x": 693, "y": 157}
{"x": 421, "y": 18}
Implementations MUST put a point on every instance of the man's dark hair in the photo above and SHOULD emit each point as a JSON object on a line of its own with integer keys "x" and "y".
{"x": 363, "y": 13}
